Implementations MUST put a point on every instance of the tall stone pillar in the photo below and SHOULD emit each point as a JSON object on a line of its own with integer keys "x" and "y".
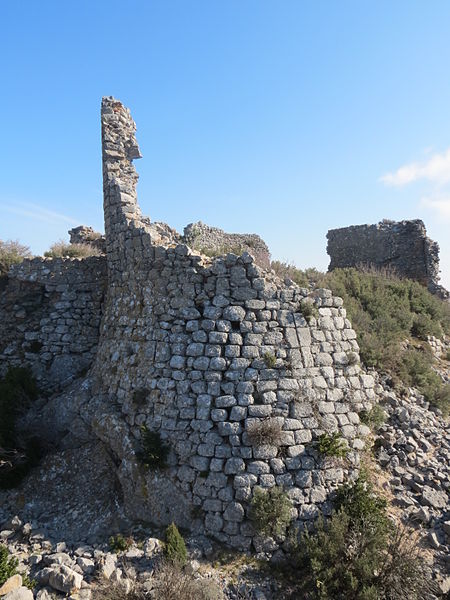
{"x": 119, "y": 149}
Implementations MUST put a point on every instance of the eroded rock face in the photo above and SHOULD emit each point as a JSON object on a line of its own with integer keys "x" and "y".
{"x": 401, "y": 246}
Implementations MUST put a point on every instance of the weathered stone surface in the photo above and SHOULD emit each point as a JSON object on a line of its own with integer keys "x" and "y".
{"x": 401, "y": 246}
{"x": 214, "y": 241}
{"x": 12, "y": 583}
{"x": 197, "y": 350}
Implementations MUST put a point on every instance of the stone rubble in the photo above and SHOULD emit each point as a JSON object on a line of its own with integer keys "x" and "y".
{"x": 413, "y": 449}
{"x": 74, "y": 571}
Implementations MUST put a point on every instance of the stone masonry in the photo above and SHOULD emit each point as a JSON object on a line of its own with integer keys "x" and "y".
{"x": 215, "y": 242}
{"x": 199, "y": 350}
{"x": 402, "y": 247}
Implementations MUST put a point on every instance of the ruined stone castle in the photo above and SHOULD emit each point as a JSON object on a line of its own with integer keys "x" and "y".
{"x": 401, "y": 247}
{"x": 199, "y": 349}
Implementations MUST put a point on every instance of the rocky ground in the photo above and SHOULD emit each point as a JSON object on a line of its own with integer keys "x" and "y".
{"x": 412, "y": 451}
{"x": 79, "y": 571}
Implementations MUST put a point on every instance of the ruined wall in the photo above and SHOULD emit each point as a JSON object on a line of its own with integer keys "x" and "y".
{"x": 216, "y": 242}
{"x": 50, "y": 313}
{"x": 196, "y": 349}
{"x": 86, "y": 235}
{"x": 402, "y": 246}
{"x": 199, "y": 350}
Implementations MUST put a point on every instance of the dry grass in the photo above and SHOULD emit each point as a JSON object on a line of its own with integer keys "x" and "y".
{"x": 169, "y": 582}
{"x": 104, "y": 589}
{"x": 173, "y": 583}
{"x": 62, "y": 249}
{"x": 265, "y": 433}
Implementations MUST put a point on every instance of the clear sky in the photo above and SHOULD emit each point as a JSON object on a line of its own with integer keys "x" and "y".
{"x": 284, "y": 118}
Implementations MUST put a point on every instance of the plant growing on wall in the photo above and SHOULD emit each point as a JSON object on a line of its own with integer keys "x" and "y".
{"x": 267, "y": 432}
{"x": 270, "y": 511}
{"x": 154, "y": 452}
{"x": 332, "y": 445}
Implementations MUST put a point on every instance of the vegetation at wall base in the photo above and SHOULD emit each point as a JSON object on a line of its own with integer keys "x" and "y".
{"x": 175, "y": 548}
{"x": 119, "y": 543}
{"x": 373, "y": 418}
{"x": 358, "y": 553}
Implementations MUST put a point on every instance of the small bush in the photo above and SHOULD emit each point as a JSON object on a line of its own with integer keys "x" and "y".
{"x": 306, "y": 278}
{"x": 358, "y": 553}
{"x": 332, "y": 445}
{"x": 423, "y": 326}
{"x": 447, "y": 355}
{"x": 373, "y": 418}
{"x": 8, "y": 565}
{"x": 309, "y": 310}
{"x": 12, "y": 253}
{"x": 175, "y": 548}
{"x": 62, "y": 249}
{"x": 270, "y": 511}
{"x": 270, "y": 360}
{"x": 154, "y": 451}
{"x": 118, "y": 543}
{"x": 265, "y": 433}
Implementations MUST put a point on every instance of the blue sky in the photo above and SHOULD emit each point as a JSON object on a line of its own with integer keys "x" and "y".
{"x": 284, "y": 118}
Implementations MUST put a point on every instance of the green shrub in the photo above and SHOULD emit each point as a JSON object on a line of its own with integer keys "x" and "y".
{"x": 358, "y": 554}
{"x": 270, "y": 511}
{"x": 175, "y": 548}
{"x": 62, "y": 249}
{"x": 267, "y": 432}
{"x": 12, "y": 253}
{"x": 373, "y": 418}
{"x": 154, "y": 452}
{"x": 423, "y": 326}
{"x": 8, "y": 565}
{"x": 447, "y": 355}
{"x": 118, "y": 543}
{"x": 309, "y": 310}
{"x": 270, "y": 360}
{"x": 304, "y": 279}
{"x": 385, "y": 311}
{"x": 331, "y": 445}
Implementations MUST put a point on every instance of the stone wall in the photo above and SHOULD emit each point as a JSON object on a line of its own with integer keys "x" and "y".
{"x": 400, "y": 246}
{"x": 50, "y": 313}
{"x": 213, "y": 241}
{"x": 86, "y": 235}
{"x": 199, "y": 350}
